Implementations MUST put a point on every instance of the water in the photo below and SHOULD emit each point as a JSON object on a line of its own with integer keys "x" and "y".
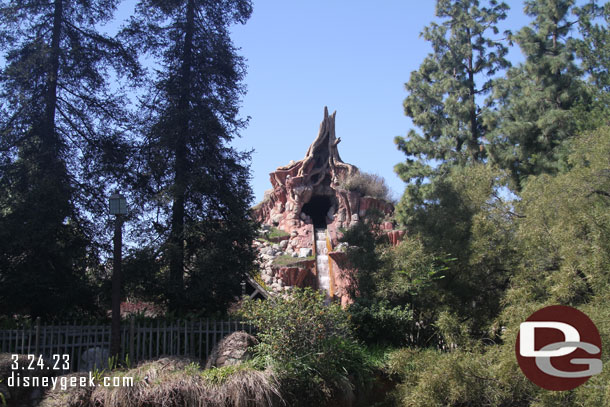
{"x": 322, "y": 262}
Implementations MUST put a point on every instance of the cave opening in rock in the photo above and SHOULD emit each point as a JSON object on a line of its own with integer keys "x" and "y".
{"x": 316, "y": 209}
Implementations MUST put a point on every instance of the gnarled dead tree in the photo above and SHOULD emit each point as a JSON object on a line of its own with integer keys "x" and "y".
{"x": 322, "y": 160}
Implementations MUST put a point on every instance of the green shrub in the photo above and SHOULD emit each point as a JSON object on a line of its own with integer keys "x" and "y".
{"x": 487, "y": 376}
{"x": 310, "y": 347}
{"x": 368, "y": 185}
{"x": 452, "y": 331}
{"x": 462, "y": 378}
{"x": 379, "y": 323}
{"x": 287, "y": 260}
{"x": 397, "y": 288}
{"x": 273, "y": 235}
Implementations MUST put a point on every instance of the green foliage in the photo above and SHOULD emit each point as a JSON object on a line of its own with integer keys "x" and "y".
{"x": 565, "y": 232}
{"x": 452, "y": 206}
{"x": 443, "y": 93}
{"x": 536, "y": 98}
{"x": 275, "y": 233}
{"x": 218, "y": 375}
{"x": 503, "y": 256}
{"x": 364, "y": 253}
{"x": 61, "y": 150}
{"x": 67, "y": 140}
{"x": 489, "y": 375}
{"x": 594, "y": 47}
{"x": 287, "y": 260}
{"x": 222, "y": 257}
{"x": 403, "y": 297}
{"x": 190, "y": 176}
{"x": 142, "y": 277}
{"x": 379, "y": 323}
{"x": 431, "y": 378}
{"x": 400, "y": 291}
{"x": 309, "y": 345}
{"x": 409, "y": 273}
{"x": 272, "y": 235}
{"x": 464, "y": 233}
{"x": 368, "y": 185}
{"x": 561, "y": 237}
{"x": 453, "y": 333}
{"x": 259, "y": 279}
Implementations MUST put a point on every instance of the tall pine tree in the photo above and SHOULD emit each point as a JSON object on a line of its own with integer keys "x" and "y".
{"x": 445, "y": 94}
{"x": 593, "y": 48}
{"x": 536, "y": 98}
{"x": 449, "y": 200}
{"x": 57, "y": 149}
{"x": 196, "y": 183}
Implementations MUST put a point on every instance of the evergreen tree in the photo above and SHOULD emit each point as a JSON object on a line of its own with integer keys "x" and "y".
{"x": 563, "y": 237}
{"x": 445, "y": 93}
{"x": 594, "y": 47}
{"x": 57, "y": 148}
{"x": 451, "y": 201}
{"x": 537, "y": 97}
{"x": 593, "y": 50}
{"x": 196, "y": 182}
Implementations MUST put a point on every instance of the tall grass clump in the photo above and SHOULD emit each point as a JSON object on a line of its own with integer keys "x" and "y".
{"x": 372, "y": 185}
{"x": 72, "y": 396}
{"x": 176, "y": 382}
{"x": 310, "y": 347}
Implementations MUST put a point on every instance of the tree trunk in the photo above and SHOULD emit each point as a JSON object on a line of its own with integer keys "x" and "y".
{"x": 51, "y": 178}
{"x": 473, "y": 141}
{"x": 181, "y": 166}
{"x": 49, "y": 142}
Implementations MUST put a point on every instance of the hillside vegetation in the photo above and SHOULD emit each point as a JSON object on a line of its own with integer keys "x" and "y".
{"x": 506, "y": 207}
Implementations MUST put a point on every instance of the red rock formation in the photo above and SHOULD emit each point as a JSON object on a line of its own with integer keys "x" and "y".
{"x": 311, "y": 193}
{"x": 318, "y": 180}
{"x": 301, "y": 276}
{"x": 343, "y": 277}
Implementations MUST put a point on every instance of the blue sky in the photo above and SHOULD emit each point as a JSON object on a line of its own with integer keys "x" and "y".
{"x": 352, "y": 56}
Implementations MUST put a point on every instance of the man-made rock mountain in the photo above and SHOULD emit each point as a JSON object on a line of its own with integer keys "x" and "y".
{"x": 308, "y": 195}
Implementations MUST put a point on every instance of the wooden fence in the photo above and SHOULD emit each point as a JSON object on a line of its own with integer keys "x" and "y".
{"x": 140, "y": 340}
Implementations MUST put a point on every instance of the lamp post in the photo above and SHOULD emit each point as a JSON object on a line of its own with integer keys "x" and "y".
{"x": 118, "y": 207}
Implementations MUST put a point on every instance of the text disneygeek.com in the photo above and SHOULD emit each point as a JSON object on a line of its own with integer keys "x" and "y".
{"x": 64, "y": 382}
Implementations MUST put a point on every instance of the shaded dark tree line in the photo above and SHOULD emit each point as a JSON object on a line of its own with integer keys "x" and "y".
{"x": 502, "y": 218}
{"x": 72, "y": 132}
{"x": 484, "y": 137}
{"x": 494, "y": 145}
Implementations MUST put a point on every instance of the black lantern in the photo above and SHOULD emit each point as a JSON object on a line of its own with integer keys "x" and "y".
{"x": 118, "y": 204}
